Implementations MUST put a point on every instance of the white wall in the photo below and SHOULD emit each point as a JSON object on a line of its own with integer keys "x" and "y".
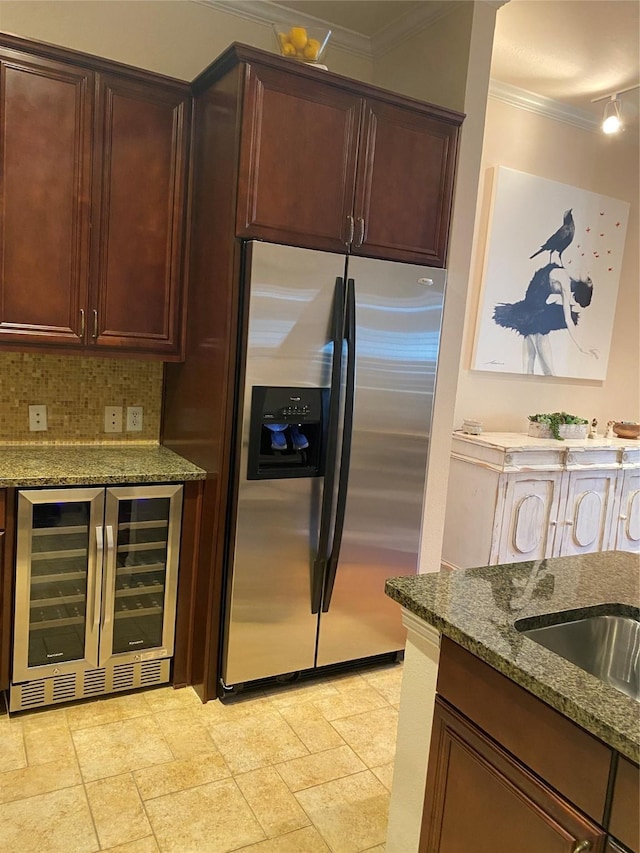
{"x": 587, "y": 159}
{"x": 174, "y": 37}
{"x": 431, "y": 65}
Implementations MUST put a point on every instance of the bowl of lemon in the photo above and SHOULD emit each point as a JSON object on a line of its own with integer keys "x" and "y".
{"x": 306, "y": 44}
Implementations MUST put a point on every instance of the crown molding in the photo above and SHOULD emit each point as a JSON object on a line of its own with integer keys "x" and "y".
{"x": 541, "y": 105}
{"x": 268, "y": 13}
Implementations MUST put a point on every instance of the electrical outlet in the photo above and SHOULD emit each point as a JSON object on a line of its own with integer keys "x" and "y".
{"x": 37, "y": 418}
{"x": 134, "y": 418}
{"x": 113, "y": 418}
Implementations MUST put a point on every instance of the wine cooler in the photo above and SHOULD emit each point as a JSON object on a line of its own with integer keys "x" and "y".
{"x": 96, "y": 577}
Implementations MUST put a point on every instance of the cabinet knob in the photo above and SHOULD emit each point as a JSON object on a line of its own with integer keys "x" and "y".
{"x": 553, "y": 523}
{"x": 581, "y": 847}
{"x": 349, "y": 239}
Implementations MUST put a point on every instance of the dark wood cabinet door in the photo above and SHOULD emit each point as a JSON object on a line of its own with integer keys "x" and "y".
{"x": 624, "y": 822}
{"x": 479, "y": 798}
{"x": 404, "y": 187}
{"x": 140, "y": 162}
{"x": 297, "y": 160}
{"x": 45, "y": 173}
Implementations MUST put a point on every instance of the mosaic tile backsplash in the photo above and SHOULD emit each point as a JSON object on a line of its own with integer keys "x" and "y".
{"x": 75, "y": 390}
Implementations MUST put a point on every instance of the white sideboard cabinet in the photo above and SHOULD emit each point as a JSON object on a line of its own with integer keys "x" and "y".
{"x": 512, "y": 498}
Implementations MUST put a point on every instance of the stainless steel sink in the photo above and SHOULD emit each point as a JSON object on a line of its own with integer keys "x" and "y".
{"x": 606, "y": 646}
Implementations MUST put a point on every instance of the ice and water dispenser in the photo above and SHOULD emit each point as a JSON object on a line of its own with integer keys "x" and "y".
{"x": 287, "y": 436}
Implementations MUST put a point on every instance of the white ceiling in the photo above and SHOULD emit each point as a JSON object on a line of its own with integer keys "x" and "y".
{"x": 568, "y": 50}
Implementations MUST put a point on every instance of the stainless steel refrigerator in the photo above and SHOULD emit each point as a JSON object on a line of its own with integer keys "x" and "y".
{"x": 333, "y": 417}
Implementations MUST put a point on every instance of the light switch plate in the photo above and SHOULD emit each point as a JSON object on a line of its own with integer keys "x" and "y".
{"x": 113, "y": 418}
{"x": 37, "y": 418}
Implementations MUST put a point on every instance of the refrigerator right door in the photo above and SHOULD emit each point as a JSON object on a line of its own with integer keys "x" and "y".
{"x": 398, "y": 317}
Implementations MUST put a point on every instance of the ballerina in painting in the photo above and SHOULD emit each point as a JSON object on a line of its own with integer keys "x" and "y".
{"x": 553, "y": 301}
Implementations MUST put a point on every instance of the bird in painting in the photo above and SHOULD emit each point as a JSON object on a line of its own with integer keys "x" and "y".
{"x": 559, "y": 240}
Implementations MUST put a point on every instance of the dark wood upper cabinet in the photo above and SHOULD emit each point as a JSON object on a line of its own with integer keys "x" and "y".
{"x": 45, "y": 145}
{"x": 335, "y": 164}
{"x": 139, "y": 199}
{"x": 298, "y": 160}
{"x": 405, "y": 184}
{"x": 93, "y": 194}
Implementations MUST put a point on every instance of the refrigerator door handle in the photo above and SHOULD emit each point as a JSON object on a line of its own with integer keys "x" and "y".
{"x": 345, "y": 458}
{"x": 332, "y": 443}
{"x": 109, "y": 597}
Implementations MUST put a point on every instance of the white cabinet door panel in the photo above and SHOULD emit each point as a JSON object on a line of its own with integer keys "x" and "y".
{"x": 628, "y": 513}
{"x": 528, "y": 524}
{"x": 586, "y": 525}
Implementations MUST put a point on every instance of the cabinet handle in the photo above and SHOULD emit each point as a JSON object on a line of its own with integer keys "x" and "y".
{"x": 82, "y": 322}
{"x": 569, "y": 522}
{"x": 349, "y": 239}
{"x": 553, "y": 523}
{"x": 581, "y": 846}
{"x": 110, "y": 580}
{"x": 361, "y": 238}
{"x": 95, "y": 324}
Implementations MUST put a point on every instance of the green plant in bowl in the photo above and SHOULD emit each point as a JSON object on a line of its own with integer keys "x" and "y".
{"x": 554, "y": 420}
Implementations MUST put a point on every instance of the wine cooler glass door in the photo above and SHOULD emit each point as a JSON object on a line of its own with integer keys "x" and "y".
{"x": 142, "y": 530}
{"x": 59, "y": 559}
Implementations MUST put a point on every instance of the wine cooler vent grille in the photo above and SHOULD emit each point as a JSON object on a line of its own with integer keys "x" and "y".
{"x": 31, "y": 694}
{"x": 64, "y": 687}
{"x": 94, "y": 682}
{"x": 123, "y": 676}
{"x": 91, "y": 682}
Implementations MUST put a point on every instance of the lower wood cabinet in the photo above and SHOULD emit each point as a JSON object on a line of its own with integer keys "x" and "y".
{"x": 480, "y": 798}
{"x": 508, "y": 772}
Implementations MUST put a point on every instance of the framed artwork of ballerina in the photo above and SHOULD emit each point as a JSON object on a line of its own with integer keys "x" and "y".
{"x": 550, "y": 281}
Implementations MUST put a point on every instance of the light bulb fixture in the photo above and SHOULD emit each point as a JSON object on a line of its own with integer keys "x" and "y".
{"x": 611, "y": 120}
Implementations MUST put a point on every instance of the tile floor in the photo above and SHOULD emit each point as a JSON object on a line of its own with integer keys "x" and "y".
{"x": 291, "y": 769}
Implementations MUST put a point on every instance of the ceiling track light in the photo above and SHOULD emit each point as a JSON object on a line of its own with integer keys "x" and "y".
{"x": 612, "y": 118}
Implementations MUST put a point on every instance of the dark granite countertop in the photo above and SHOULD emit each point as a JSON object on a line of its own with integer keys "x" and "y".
{"x": 477, "y": 608}
{"x": 80, "y": 464}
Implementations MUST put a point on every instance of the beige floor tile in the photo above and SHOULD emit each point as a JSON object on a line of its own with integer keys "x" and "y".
{"x": 142, "y": 845}
{"x": 12, "y": 752}
{"x": 271, "y": 801}
{"x": 211, "y": 818}
{"x": 108, "y": 710}
{"x": 167, "y": 699}
{"x": 371, "y": 735}
{"x": 185, "y": 733}
{"x": 50, "y": 742}
{"x": 120, "y": 747}
{"x": 385, "y": 774}
{"x": 388, "y": 682}
{"x": 350, "y": 813}
{"x": 56, "y": 822}
{"x": 354, "y": 696}
{"x": 44, "y": 717}
{"x": 40, "y": 779}
{"x": 319, "y": 768}
{"x": 311, "y": 726}
{"x": 118, "y": 813}
{"x": 306, "y": 840}
{"x": 179, "y": 775}
{"x": 257, "y": 742}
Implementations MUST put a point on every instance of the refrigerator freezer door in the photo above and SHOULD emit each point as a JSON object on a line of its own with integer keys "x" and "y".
{"x": 398, "y": 317}
{"x": 269, "y": 627}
